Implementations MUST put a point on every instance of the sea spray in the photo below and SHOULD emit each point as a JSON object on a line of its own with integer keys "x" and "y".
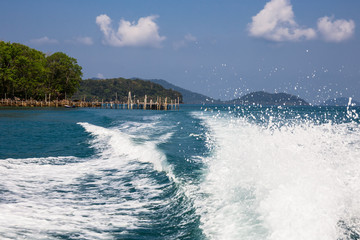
{"x": 351, "y": 113}
{"x": 297, "y": 181}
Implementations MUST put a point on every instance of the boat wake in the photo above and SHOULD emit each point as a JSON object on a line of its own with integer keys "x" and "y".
{"x": 297, "y": 181}
{"x": 109, "y": 195}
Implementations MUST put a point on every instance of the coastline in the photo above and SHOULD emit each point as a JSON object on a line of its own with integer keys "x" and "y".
{"x": 158, "y": 105}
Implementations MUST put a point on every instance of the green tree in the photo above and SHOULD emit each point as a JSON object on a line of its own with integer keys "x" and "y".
{"x": 7, "y": 56}
{"x": 118, "y": 89}
{"x": 64, "y": 75}
{"x": 29, "y": 72}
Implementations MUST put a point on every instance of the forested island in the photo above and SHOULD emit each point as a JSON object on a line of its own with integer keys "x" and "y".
{"x": 117, "y": 89}
{"x": 28, "y": 73}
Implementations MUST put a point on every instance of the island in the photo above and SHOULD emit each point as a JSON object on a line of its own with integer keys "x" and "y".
{"x": 117, "y": 89}
{"x": 254, "y": 98}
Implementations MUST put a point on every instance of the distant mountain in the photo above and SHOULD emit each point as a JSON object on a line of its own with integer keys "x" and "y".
{"x": 189, "y": 97}
{"x": 342, "y": 101}
{"x": 264, "y": 98}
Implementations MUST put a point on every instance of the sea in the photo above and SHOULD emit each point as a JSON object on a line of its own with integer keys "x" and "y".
{"x": 202, "y": 172}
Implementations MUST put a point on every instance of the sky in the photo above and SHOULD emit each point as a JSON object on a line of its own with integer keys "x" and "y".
{"x": 223, "y": 49}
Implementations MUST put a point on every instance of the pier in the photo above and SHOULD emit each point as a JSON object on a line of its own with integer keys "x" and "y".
{"x": 131, "y": 103}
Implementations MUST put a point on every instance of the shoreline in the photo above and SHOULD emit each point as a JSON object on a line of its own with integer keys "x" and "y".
{"x": 158, "y": 105}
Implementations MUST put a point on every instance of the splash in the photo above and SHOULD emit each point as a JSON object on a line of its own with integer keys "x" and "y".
{"x": 112, "y": 143}
{"x": 297, "y": 181}
{"x": 351, "y": 113}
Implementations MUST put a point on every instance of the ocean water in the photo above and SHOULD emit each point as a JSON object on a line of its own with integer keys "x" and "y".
{"x": 203, "y": 172}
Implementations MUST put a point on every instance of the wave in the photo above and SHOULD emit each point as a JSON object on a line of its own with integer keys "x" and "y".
{"x": 113, "y": 143}
{"x": 297, "y": 181}
{"x": 100, "y": 197}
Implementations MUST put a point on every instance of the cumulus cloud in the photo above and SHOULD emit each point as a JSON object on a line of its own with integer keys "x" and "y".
{"x": 143, "y": 33}
{"x": 44, "y": 40}
{"x": 184, "y": 42}
{"x": 276, "y": 22}
{"x": 335, "y": 30}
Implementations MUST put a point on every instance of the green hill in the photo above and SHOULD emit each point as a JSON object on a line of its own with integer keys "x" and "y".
{"x": 118, "y": 88}
{"x": 189, "y": 97}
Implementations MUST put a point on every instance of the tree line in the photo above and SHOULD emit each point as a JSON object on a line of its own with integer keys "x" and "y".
{"x": 28, "y": 73}
{"x": 118, "y": 89}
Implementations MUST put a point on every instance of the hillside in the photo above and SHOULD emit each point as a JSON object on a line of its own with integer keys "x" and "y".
{"x": 110, "y": 89}
{"x": 264, "y": 98}
{"x": 189, "y": 97}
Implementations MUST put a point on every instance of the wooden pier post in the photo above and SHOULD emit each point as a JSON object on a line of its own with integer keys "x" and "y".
{"x": 129, "y": 100}
{"x": 145, "y": 102}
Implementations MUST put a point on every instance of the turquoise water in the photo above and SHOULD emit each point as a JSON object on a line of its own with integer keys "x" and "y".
{"x": 204, "y": 172}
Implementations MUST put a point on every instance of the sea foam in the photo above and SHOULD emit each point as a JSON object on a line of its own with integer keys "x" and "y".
{"x": 298, "y": 181}
{"x": 44, "y": 198}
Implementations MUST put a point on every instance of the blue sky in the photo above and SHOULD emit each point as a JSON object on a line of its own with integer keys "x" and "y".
{"x": 222, "y": 49}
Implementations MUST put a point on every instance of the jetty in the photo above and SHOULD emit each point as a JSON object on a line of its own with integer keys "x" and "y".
{"x": 131, "y": 103}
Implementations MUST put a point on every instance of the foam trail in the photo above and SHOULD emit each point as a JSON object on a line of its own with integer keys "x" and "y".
{"x": 43, "y": 199}
{"x": 113, "y": 143}
{"x": 46, "y": 198}
{"x": 294, "y": 182}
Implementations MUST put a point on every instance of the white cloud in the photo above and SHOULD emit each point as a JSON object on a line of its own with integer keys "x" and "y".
{"x": 335, "y": 31}
{"x": 276, "y": 23}
{"x": 184, "y": 42}
{"x": 85, "y": 40}
{"x": 143, "y": 33}
{"x": 44, "y": 40}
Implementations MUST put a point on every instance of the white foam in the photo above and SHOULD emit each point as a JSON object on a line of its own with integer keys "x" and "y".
{"x": 293, "y": 182}
{"x": 34, "y": 208}
{"x": 113, "y": 143}
{"x": 42, "y": 196}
